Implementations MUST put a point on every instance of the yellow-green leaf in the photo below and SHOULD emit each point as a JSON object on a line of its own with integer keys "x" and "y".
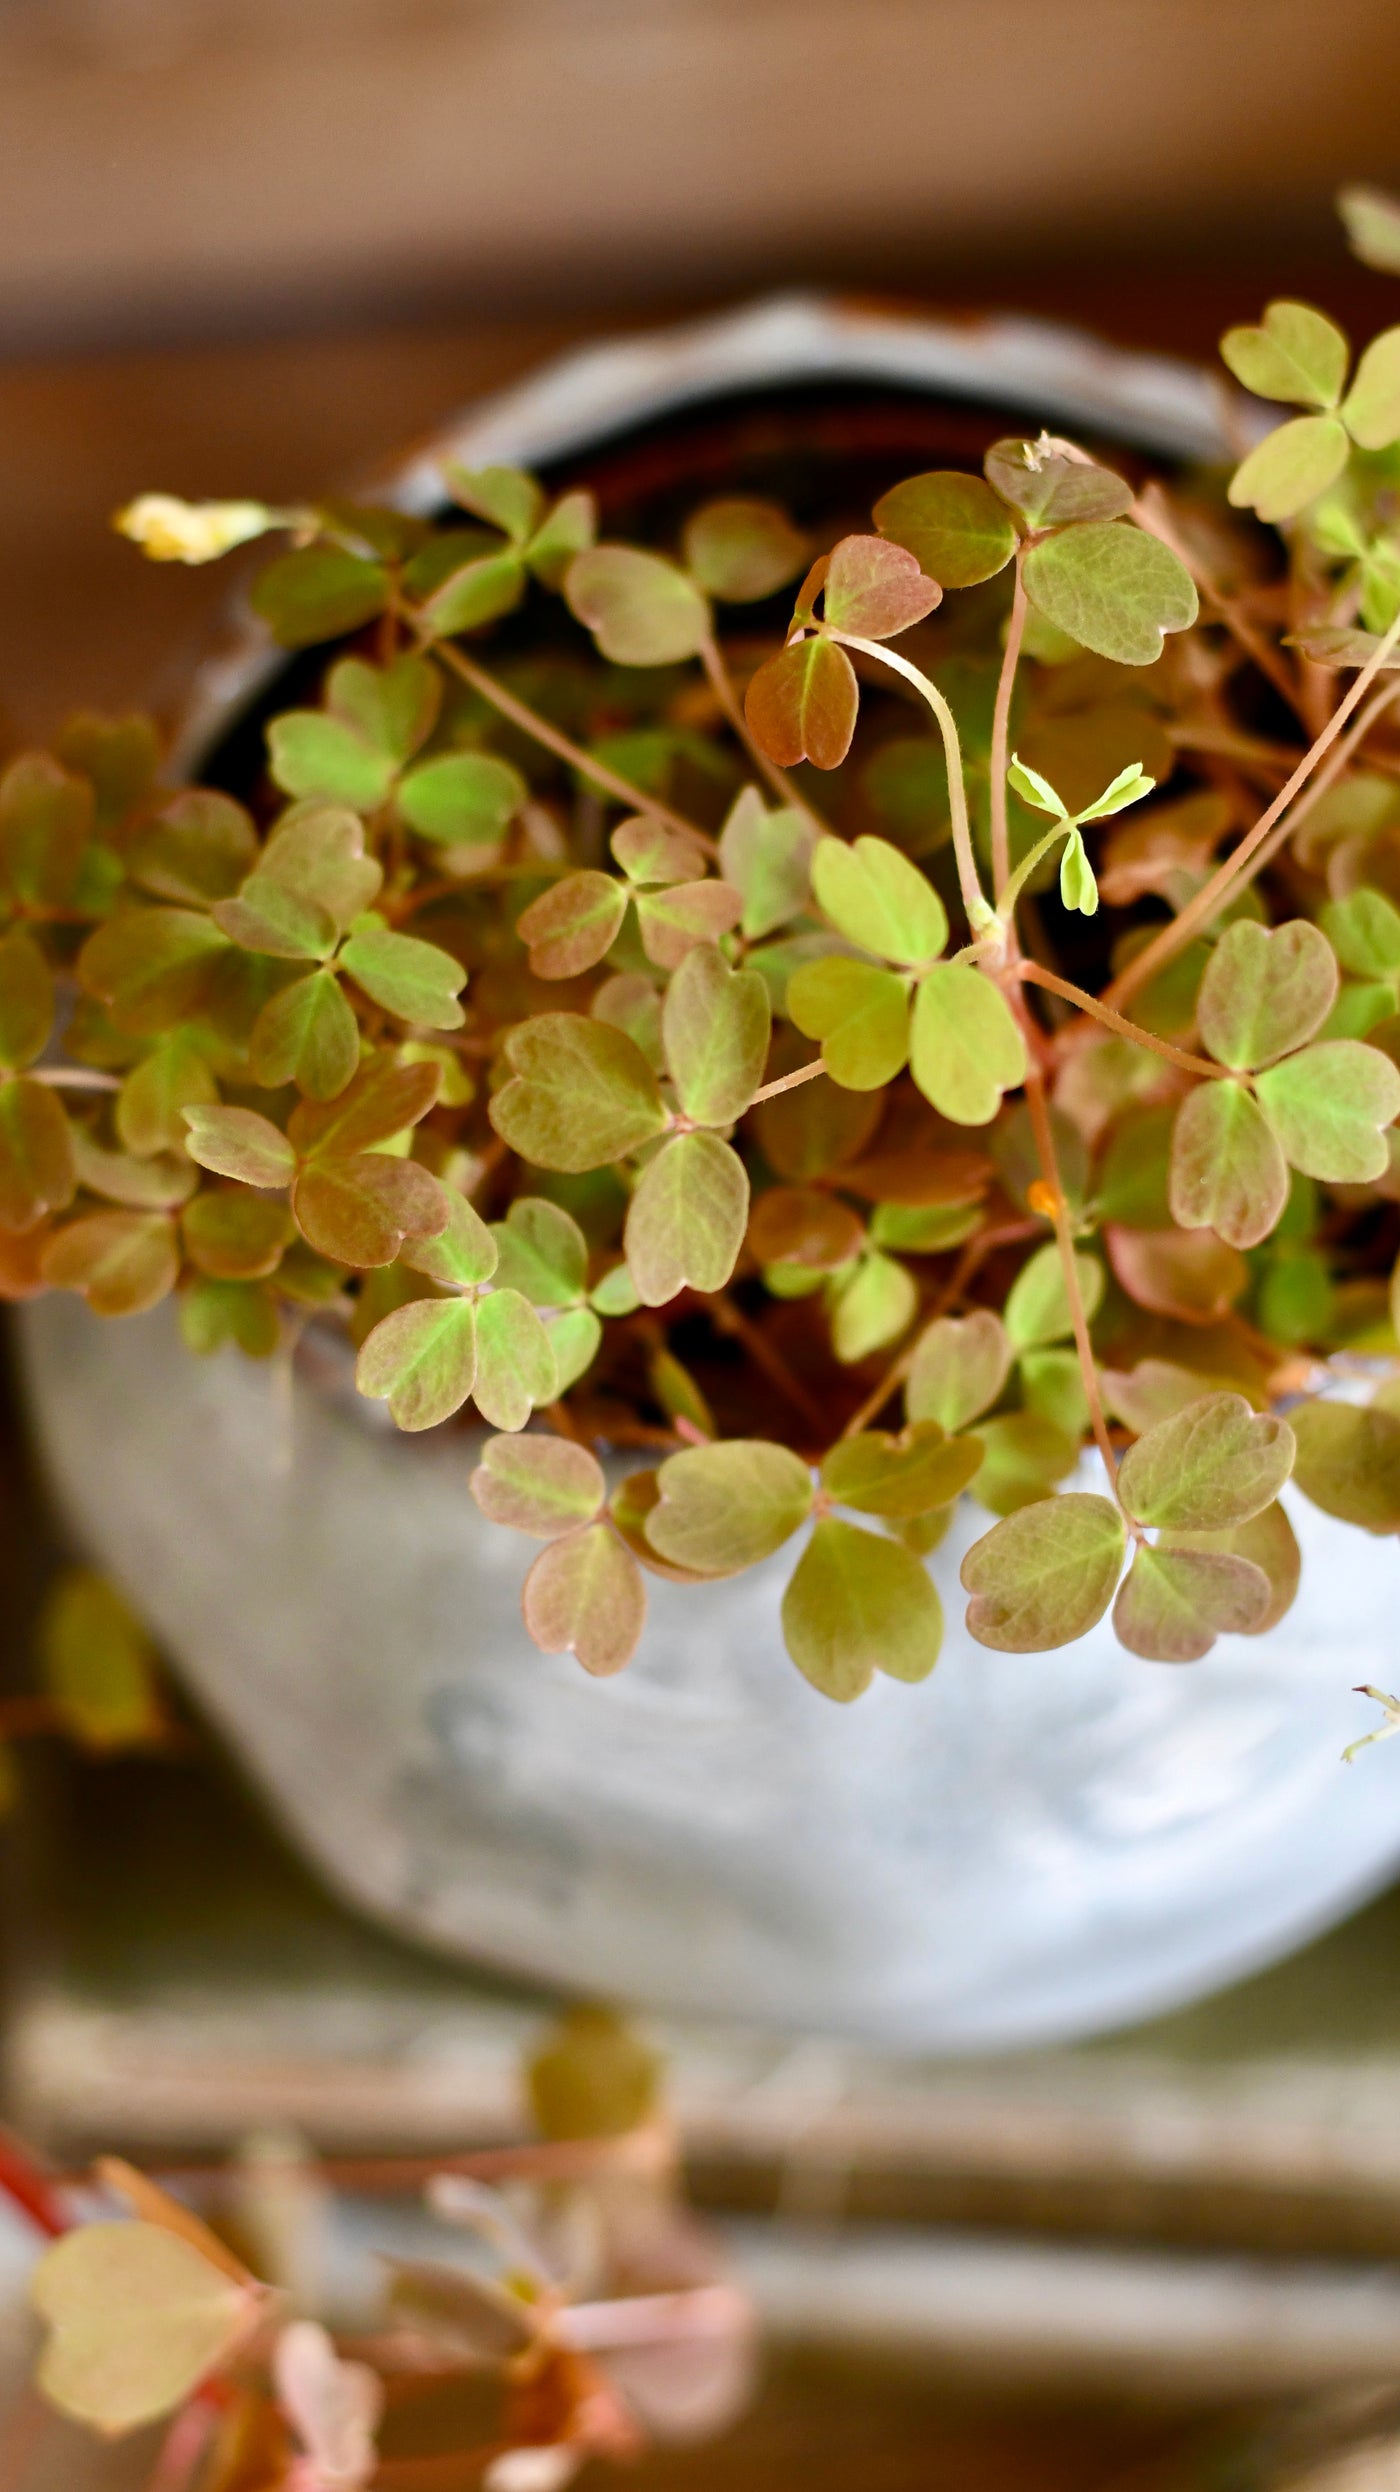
{"x": 1371, "y": 410}
{"x": 421, "y": 1360}
{"x": 1037, "y": 1306}
{"x": 1348, "y": 1462}
{"x": 1045, "y": 1575}
{"x": 900, "y": 1476}
{"x": 954, "y": 525}
{"x": 1329, "y": 1106}
{"x": 965, "y": 1047}
{"x": 875, "y": 897}
{"x": 1113, "y": 588}
{"x": 1265, "y": 992}
{"x": 1295, "y": 353}
{"x": 1227, "y": 1170}
{"x": 1291, "y": 466}
{"x": 859, "y": 1012}
{"x": 99, "y": 1664}
{"x": 715, "y": 1026}
{"x": 136, "y": 2318}
{"x": 582, "y": 1094}
{"x": 960, "y": 1367}
{"x": 686, "y": 1220}
{"x": 640, "y": 609}
{"x": 723, "y": 1507}
{"x": 858, "y": 1603}
{"x": 1208, "y": 1467}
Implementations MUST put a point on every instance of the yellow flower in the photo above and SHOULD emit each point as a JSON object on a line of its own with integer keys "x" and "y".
{"x": 170, "y": 530}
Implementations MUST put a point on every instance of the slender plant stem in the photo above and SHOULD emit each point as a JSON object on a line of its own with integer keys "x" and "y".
{"x": 1327, "y": 776}
{"x": 555, "y": 741}
{"x": 1064, "y": 1239}
{"x": 1001, "y": 728}
{"x": 183, "y": 2448}
{"x": 1208, "y": 901}
{"x": 1032, "y": 971}
{"x": 712, "y": 659}
{"x": 974, "y": 898}
{"x": 72, "y": 1077}
{"x": 1009, "y": 893}
{"x": 788, "y": 1081}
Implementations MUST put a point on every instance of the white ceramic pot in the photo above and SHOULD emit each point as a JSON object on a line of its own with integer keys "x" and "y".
{"x": 1021, "y": 1849}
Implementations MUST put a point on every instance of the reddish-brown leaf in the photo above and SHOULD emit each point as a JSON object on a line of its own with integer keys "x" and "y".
{"x": 797, "y": 1224}
{"x": 584, "y": 1595}
{"x": 359, "y": 1209}
{"x": 121, "y": 1261}
{"x": 37, "y": 1171}
{"x": 876, "y": 589}
{"x": 1188, "y": 1273}
{"x": 801, "y": 705}
{"x": 383, "y": 1100}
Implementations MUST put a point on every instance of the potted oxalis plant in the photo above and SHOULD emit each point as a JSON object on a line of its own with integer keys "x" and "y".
{"x": 841, "y": 1061}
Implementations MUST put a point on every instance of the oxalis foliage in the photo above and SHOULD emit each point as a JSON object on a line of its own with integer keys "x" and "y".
{"x": 853, "y": 1061}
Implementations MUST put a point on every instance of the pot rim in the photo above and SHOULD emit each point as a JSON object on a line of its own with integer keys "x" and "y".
{"x": 591, "y": 394}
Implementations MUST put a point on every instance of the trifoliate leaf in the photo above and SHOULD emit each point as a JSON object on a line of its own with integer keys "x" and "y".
{"x": 715, "y": 1025}
{"x": 572, "y": 925}
{"x": 1348, "y": 1462}
{"x": 544, "y": 1485}
{"x": 582, "y": 1094}
{"x": 1296, "y": 354}
{"x": 1113, "y": 588}
{"x": 740, "y": 549}
{"x": 99, "y": 1664}
{"x": 767, "y": 857}
{"x": 319, "y": 592}
{"x": 1207, "y": 1468}
{"x": 421, "y": 1360}
{"x": 860, "y": 1014}
{"x": 858, "y": 1603}
{"x": 1173, "y": 1603}
{"x": 1024, "y": 1456}
{"x": 1329, "y": 1106}
{"x": 1265, "y": 993}
{"x": 515, "y": 1370}
{"x": 1291, "y": 466}
{"x": 875, "y": 589}
{"x": 1227, "y": 1170}
{"x": 237, "y": 1142}
{"x": 1371, "y": 409}
{"x": 417, "y": 981}
{"x": 542, "y": 1252}
{"x": 871, "y": 1306}
{"x": 965, "y": 1047}
{"x": 674, "y": 921}
{"x": 686, "y": 1220}
{"x": 137, "y": 2317}
{"x": 1037, "y": 1309}
{"x": 584, "y": 1595}
{"x": 461, "y": 1255}
{"x": 640, "y": 609}
{"x": 955, "y": 527}
{"x": 802, "y": 704}
{"x": 875, "y": 897}
{"x": 1044, "y": 1576}
{"x": 38, "y": 1171}
{"x": 122, "y": 1262}
{"x": 900, "y": 1476}
{"x": 960, "y": 1368}
{"x": 462, "y": 800}
{"x": 723, "y": 1507}
{"x": 394, "y": 707}
{"x": 1078, "y": 889}
{"x": 306, "y": 1034}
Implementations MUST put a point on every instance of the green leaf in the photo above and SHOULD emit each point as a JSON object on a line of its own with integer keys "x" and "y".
{"x": 723, "y": 1507}
{"x": 1372, "y": 220}
{"x": 1078, "y": 889}
{"x": 1113, "y": 588}
{"x": 900, "y": 1476}
{"x": 674, "y": 921}
{"x": 122, "y": 1262}
{"x": 156, "y": 1092}
{"x": 1130, "y": 786}
{"x": 686, "y": 1220}
{"x": 715, "y": 1025}
{"x": 1348, "y": 1462}
{"x": 856, "y": 1604}
{"x": 121, "y": 757}
{"x": 1329, "y": 1106}
{"x": 582, "y": 1094}
{"x": 575, "y": 1337}
{"x": 307, "y": 1034}
{"x": 1291, "y": 466}
{"x": 1052, "y": 1385}
{"x": 1297, "y": 354}
{"x": 544, "y": 1485}
{"x": 1034, "y": 790}
{"x": 1037, "y": 1308}
{"x": 311, "y": 754}
{"x": 319, "y": 592}
{"x": 1051, "y": 483}
{"x": 1024, "y": 1455}
{"x": 99, "y": 1665}
{"x": 860, "y": 1014}
{"x": 802, "y": 704}
{"x": 1265, "y": 993}
{"x": 1364, "y": 931}
{"x": 740, "y": 549}
{"x": 955, "y": 527}
{"x": 965, "y": 1047}
{"x": 878, "y": 899}
{"x": 480, "y": 592}
{"x": 923, "y": 1229}
{"x": 584, "y": 1595}
{"x": 317, "y": 853}
{"x": 640, "y": 609}
{"x": 235, "y": 1235}
{"x": 505, "y": 497}
{"x": 1044, "y": 1576}
{"x": 875, "y": 588}
{"x": 46, "y": 821}
{"x": 462, "y": 800}
{"x": 417, "y": 981}
{"x": 26, "y": 999}
{"x": 960, "y": 1368}
{"x": 570, "y": 527}
{"x": 392, "y": 708}
{"x": 543, "y": 1252}
{"x": 265, "y": 916}
{"x": 1173, "y": 1603}
{"x": 1208, "y": 1467}
{"x": 137, "y": 2317}
{"x": 198, "y": 848}
{"x": 237, "y": 1142}
{"x": 767, "y": 857}
{"x": 37, "y": 1168}
{"x": 151, "y": 967}
{"x": 358, "y": 1210}
{"x": 515, "y": 1370}
{"x": 1227, "y": 1170}
{"x": 421, "y": 1360}
{"x": 871, "y": 1307}
{"x": 462, "y": 1255}
{"x": 1371, "y": 409}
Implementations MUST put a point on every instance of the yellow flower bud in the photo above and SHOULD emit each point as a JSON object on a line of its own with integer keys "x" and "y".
{"x": 169, "y": 530}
